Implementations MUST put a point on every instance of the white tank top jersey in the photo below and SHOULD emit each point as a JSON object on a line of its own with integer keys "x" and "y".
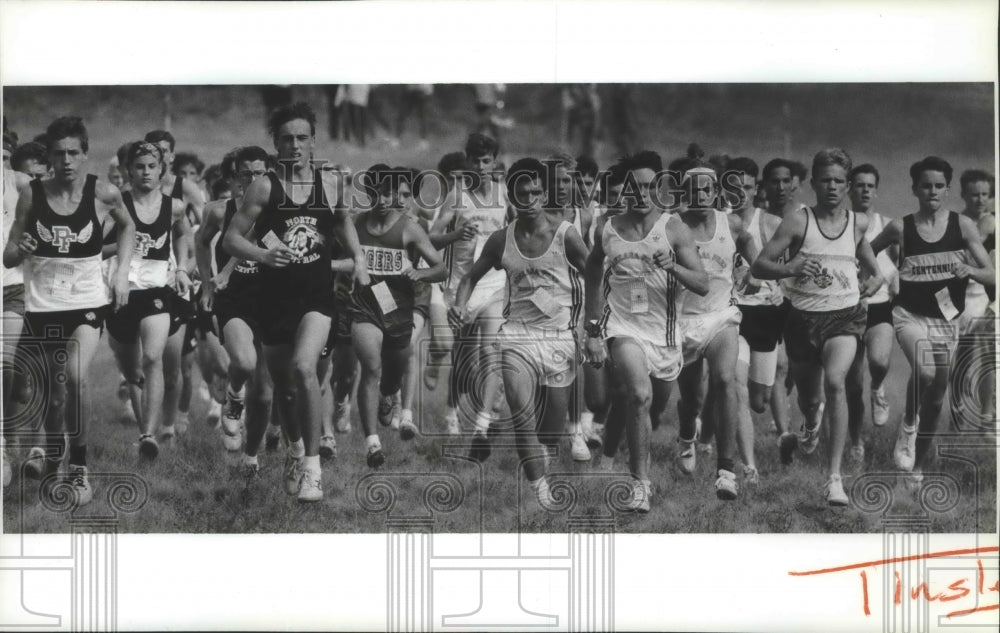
{"x": 717, "y": 257}
{"x": 544, "y": 293}
{"x": 11, "y": 276}
{"x": 487, "y": 217}
{"x": 836, "y": 287}
{"x": 770, "y": 293}
{"x": 886, "y": 267}
{"x": 641, "y": 297}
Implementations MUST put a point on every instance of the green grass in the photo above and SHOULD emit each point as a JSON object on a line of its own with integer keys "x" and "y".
{"x": 196, "y": 488}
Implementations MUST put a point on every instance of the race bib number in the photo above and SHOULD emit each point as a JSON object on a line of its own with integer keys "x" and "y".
{"x": 948, "y": 309}
{"x": 544, "y": 301}
{"x": 62, "y": 281}
{"x": 384, "y": 297}
{"x": 638, "y": 296}
{"x": 271, "y": 240}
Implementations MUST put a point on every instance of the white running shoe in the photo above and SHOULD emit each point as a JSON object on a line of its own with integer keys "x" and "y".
{"x": 687, "y": 458}
{"x": 543, "y": 495}
{"x": 291, "y": 475}
{"x": 342, "y": 416}
{"x": 809, "y": 439}
{"x": 182, "y": 423}
{"x": 913, "y": 481}
{"x": 880, "y": 407}
{"x": 310, "y": 486}
{"x": 34, "y": 463}
{"x": 641, "y": 493}
{"x": 578, "y": 448}
{"x": 232, "y": 417}
{"x": 214, "y": 414}
{"x": 168, "y": 436}
{"x": 233, "y": 443}
{"x": 835, "y": 494}
{"x": 80, "y": 484}
{"x": 595, "y": 437}
{"x": 328, "y": 447}
{"x": 407, "y": 429}
{"x": 451, "y": 420}
{"x": 906, "y": 447}
{"x": 725, "y": 485}
{"x": 386, "y": 410}
{"x": 751, "y": 476}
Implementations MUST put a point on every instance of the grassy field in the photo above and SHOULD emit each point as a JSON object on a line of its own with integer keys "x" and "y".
{"x": 196, "y": 487}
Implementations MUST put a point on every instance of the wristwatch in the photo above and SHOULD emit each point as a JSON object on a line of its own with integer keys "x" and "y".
{"x": 593, "y": 328}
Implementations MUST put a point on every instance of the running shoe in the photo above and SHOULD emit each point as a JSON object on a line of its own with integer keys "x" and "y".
{"x": 251, "y": 471}
{"x": 687, "y": 458}
{"x": 232, "y": 416}
{"x": 451, "y": 420}
{"x": 407, "y": 429}
{"x": 386, "y": 410}
{"x": 35, "y": 466}
{"x": 168, "y": 436}
{"x": 543, "y": 495}
{"x": 809, "y": 439}
{"x": 835, "y": 494}
{"x": 751, "y": 476}
{"x": 342, "y": 416}
{"x": 913, "y": 481}
{"x": 787, "y": 443}
{"x": 725, "y": 485}
{"x": 856, "y": 454}
{"x": 148, "y": 447}
{"x": 905, "y": 450}
{"x": 214, "y": 415}
{"x": 80, "y": 484}
{"x": 578, "y": 448}
{"x": 290, "y": 475}
{"x": 641, "y": 493}
{"x": 310, "y": 486}
{"x": 327, "y": 447}
{"x": 880, "y": 407}
{"x": 480, "y": 448}
{"x": 595, "y": 437}
{"x": 375, "y": 457}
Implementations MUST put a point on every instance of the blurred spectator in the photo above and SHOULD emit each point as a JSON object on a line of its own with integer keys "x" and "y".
{"x": 9, "y": 144}
{"x": 114, "y": 173}
{"x": 580, "y": 109}
{"x": 353, "y": 101}
{"x": 275, "y": 96}
{"x": 622, "y": 120}
{"x": 414, "y": 99}
{"x": 332, "y": 110}
{"x": 489, "y": 104}
{"x": 30, "y": 158}
{"x": 212, "y": 175}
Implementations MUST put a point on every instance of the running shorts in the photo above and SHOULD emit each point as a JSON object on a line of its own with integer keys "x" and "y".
{"x": 807, "y": 332}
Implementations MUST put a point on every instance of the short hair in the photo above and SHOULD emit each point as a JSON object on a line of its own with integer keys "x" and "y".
{"x": 284, "y": 114}
{"x": 865, "y": 168}
{"x": 380, "y": 174}
{"x": 586, "y": 165}
{"x": 531, "y": 168}
{"x": 412, "y": 177}
{"x": 252, "y": 153}
{"x": 157, "y": 136}
{"x": 645, "y": 159}
{"x": 829, "y": 157}
{"x": 799, "y": 170}
{"x": 454, "y": 161}
{"x": 930, "y": 163}
{"x": 122, "y": 153}
{"x": 227, "y": 167}
{"x": 29, "y": 151}
{"x": 144, "y": 148}
{"x": 213, "y": 173}
{"x": 219, "y": 187}
{"x": 9, "y": 140}
{"x": 778, "y": 163}
{"x": 683, "y": 164}
{"x": 66, "y": 127}
{"x": 187, "y": 158}
{"x": 743, "y": 165}
{"x": 720, "y": 162}
{"x": 480, "y": 145}
{"x": 613, "y": 177}
{"x": 970, "y": 176}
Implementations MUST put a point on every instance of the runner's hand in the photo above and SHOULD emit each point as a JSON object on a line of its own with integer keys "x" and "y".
{"x": 961, "y": 270}
{"x": 278, "y": 257}
{"x": 27, "y": 245}
{"x": 665, "y": 260}
{"x": 802, "y": 266}
{"x": 468, "y": 232}
{"x": 456, "y": 317}
{"x": 597, "y": 351}
{"x": 361, "y": 276}
{"x": 207, "y": 295}
{"x": 119, "y": 291}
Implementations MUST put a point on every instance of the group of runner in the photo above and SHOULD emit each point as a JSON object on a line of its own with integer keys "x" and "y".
{"x": 567, "y": 301}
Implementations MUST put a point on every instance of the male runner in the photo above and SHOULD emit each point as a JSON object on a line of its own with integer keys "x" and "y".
{"x": 632, "y": 275}
{"x": 56, "y": 233}
{"x": 543, "y": 262}
{"x": 295, "y": 212}
{"x": 935, "y": 247}
{"x": 826, "y": 320}
{"x": 877, "y": 340}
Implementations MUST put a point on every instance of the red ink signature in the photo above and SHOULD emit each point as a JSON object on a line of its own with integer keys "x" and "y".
{"x": 955, "y": 590}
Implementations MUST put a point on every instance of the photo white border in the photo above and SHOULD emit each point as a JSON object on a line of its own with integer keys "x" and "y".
{"x": 705, "y": 582}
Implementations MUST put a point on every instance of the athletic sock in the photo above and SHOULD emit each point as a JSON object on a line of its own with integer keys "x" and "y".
{"x": 311, "y": 463}
{"x": 78, "y": 455}
{"x": 372, "y": 441}
{"x": 450, "y": 413}
{"x": 249, "y": 460}
{"x": 586, "y": 421}
{"x": 482, "y": 423}
{"x": 235, "y": 395}
{"x": 406, "y": 415}
{"x": 297, "y": 448}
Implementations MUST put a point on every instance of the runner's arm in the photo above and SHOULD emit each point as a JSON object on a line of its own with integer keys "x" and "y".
{"x": 982, "y": 272}
{"x": 182, "y": 239}
{"x": 415, "y": 235}
{"x": 344, "y": 228}
{"x": 890, "y": 236}
{"x": 747, "y": 249}
{"x": 235, "y": 240}
{"x": 687, "y": 264}
{"x": 593, "y": 277}
{"x": 193, "y": 198}
{"x": 110, "y": 197}
{"x": 211, "y": 224}
{"x": 767, "y": 266}
{"x": 17, "y": 247}
{"x": 576, "y": 250}
{"x": 488, "y": 260}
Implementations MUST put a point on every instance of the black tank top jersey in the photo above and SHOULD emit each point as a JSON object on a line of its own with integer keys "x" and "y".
{"x": 73, "y": 236}
{"x": 386, "y": 260}
{"x": 245, "y": 272}
{"x": 306, "y": 229}
{"x": 926, "y": 268}
{"x": 152, "y": 241}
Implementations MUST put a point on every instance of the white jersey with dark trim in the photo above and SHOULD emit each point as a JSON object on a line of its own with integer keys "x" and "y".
{"x": 544, "y": 293}
{"x": 836, "y": 286}
{"x": 641, "y": 297}
{"x": 770, "y": 293}
{"x": 886, "y": 267}
{"x": 11, "y": 276}
{"x": 488, "y": 216}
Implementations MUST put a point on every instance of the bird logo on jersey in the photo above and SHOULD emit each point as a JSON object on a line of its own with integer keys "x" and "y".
{"x": 823, "y": 279}
{"x": 62, "y": 237}
{"x": 303, "y": 239}
{"x": 144, "y": 243}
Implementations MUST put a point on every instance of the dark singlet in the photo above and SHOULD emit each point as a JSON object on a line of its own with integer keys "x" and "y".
{"x": 927, "y": 267}
{"x": 152, "y": 241}
{"x": 990, "y": 245}
{"x": 386, "y": 260}
{"x": 64, "y": 272}
{"x": 244, "y": 275}
{"x": 307, "y": 230}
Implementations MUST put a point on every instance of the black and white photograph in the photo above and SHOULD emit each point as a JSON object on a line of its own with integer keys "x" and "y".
{"x": 688, "y": 307}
